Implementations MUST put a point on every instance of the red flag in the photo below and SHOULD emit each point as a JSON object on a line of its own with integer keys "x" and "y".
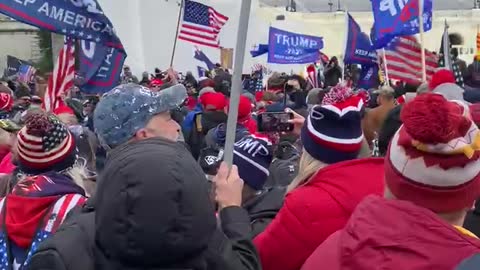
{"x": 61, "y": 79}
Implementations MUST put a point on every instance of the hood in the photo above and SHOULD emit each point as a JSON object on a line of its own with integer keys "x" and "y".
{"x": 152, "y": 206}
{"x": 393, "y": 234}
{"x": 30, "y": 200}
{"x": 350, "y": 181}
{"x": 268, "y": 200}
{"x": 213, "y": 119}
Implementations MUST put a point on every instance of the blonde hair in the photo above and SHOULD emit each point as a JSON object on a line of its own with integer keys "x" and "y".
{"x": 307, "y": 168}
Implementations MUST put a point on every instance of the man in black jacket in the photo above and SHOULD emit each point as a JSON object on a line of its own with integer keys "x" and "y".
{"x": 152, "y": 211}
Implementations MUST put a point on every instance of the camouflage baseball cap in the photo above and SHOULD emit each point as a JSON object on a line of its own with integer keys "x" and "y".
{"x": 127, "y": 108}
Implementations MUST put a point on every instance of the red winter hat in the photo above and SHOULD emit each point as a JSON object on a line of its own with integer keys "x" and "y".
{"x": 6, "y": 102}
{"x": 244, "y": 107}
{"x": 213, "y": 101}
{"x": 64, "y": 109}
{"x": 434, "y": 158}
{"x": 440, "y": 77}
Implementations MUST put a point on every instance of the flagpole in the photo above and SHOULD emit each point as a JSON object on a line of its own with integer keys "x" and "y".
{"x": 345, "y": 45}
{"x": 420, "y": 17}
{"x": 237, "y": 80}
{"x": 385, "y": 64}
{"x": 176, "y": 33}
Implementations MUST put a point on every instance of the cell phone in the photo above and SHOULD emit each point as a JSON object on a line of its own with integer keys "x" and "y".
{"x": 275, "y": 122}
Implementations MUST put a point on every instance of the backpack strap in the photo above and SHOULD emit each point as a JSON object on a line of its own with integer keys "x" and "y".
{"x": 198, "y": 122}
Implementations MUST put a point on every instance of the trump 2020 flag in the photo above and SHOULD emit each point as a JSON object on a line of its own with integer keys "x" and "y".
{"x": 398, "y": 18}
{"x": 291, "y": 48}
{"x": 100, "y": 67}
{"x": 358, "y": 49}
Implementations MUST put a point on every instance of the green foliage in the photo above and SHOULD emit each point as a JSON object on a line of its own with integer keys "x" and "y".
{"x": 45, "y": 63}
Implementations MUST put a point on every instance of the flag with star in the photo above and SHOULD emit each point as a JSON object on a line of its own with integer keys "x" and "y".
{"x": 446, "y": 59}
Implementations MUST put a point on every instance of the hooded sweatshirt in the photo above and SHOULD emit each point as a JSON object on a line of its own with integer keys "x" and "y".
{"x": 314, "y": 211}
{"x": 394, "y": 234}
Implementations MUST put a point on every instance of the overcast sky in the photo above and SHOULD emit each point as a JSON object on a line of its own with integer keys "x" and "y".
{"x": 362, "y": 5}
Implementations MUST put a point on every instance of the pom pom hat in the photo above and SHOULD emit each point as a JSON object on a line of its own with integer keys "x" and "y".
{"x": 333, "y": 131}
{"x": 45, "y": 144}
{"x": 434, "y": 158}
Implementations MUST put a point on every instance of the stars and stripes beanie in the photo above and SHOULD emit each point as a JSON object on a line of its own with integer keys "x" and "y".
{"x": 434, "y": 158}
{"x": 45, "y": 144}
{"x": 333, "y": 131}
{"x": 253, "y": 156}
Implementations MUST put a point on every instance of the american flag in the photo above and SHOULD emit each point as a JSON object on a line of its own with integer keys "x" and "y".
{"x": 62, "y": 77}
{"x": 404, "y": 60}
{"x": 201, "y": 24}
{"x": 446, "y": 58}
{"x": 26, "y": 73}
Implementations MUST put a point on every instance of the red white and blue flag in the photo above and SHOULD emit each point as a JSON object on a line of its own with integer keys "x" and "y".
{"x": 62, "y": 77}
{"x": 201, "y": 24}
{"x": 26, "y": 73}
{"x": 404, "y": 60}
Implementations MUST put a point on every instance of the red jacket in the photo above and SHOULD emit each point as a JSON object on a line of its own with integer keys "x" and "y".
{"x": 312, "y": 212}
{"x": 392, "y": 234}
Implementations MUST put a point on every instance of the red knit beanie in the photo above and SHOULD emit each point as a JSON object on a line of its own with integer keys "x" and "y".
{"x": 434, "y": 158}
{"x": 440, "y": 77}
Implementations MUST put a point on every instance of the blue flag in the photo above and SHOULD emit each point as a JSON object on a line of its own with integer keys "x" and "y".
{"x": 258, "y": 50}
{"x": 100, "y": 67}
{"x": 202, "y": 57}
{"x": 291, "y": 48}
{"x": 369, "y": 77}
{"x": 359, "y": 49}
{"x": 102, "y": 55}
{"x": 202, "y": 72}
{"x": 398, "y": 18}
{"x": 76, "y": 19}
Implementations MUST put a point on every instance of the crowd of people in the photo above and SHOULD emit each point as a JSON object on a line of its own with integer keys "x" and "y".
{"x": 381, "y": 178}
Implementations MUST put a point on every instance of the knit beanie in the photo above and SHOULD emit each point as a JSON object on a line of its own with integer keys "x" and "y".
{"x": 253, "y": 156}
{"x": 45, "y": 144}
{"x": 440, "y": 77}
{"x": 333, "y": 131}
{"x": 434, "y": 158}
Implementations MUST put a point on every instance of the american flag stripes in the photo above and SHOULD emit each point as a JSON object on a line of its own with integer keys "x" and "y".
{"x": 62, "y": 77}
{"x": 403, "y": 55}
{"x": 201, "y": 24}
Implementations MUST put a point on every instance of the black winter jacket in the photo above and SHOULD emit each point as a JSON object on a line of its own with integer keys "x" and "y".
{"x": 151, "y": 211}
{"x": 263, "y": 208}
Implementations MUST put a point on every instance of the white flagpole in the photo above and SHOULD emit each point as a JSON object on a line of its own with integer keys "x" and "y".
{"x": 345, "y": 45}
{"x": 385, "y": 64}
{"x": 420, "y": 17}
{"x": 237, "y": 80}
